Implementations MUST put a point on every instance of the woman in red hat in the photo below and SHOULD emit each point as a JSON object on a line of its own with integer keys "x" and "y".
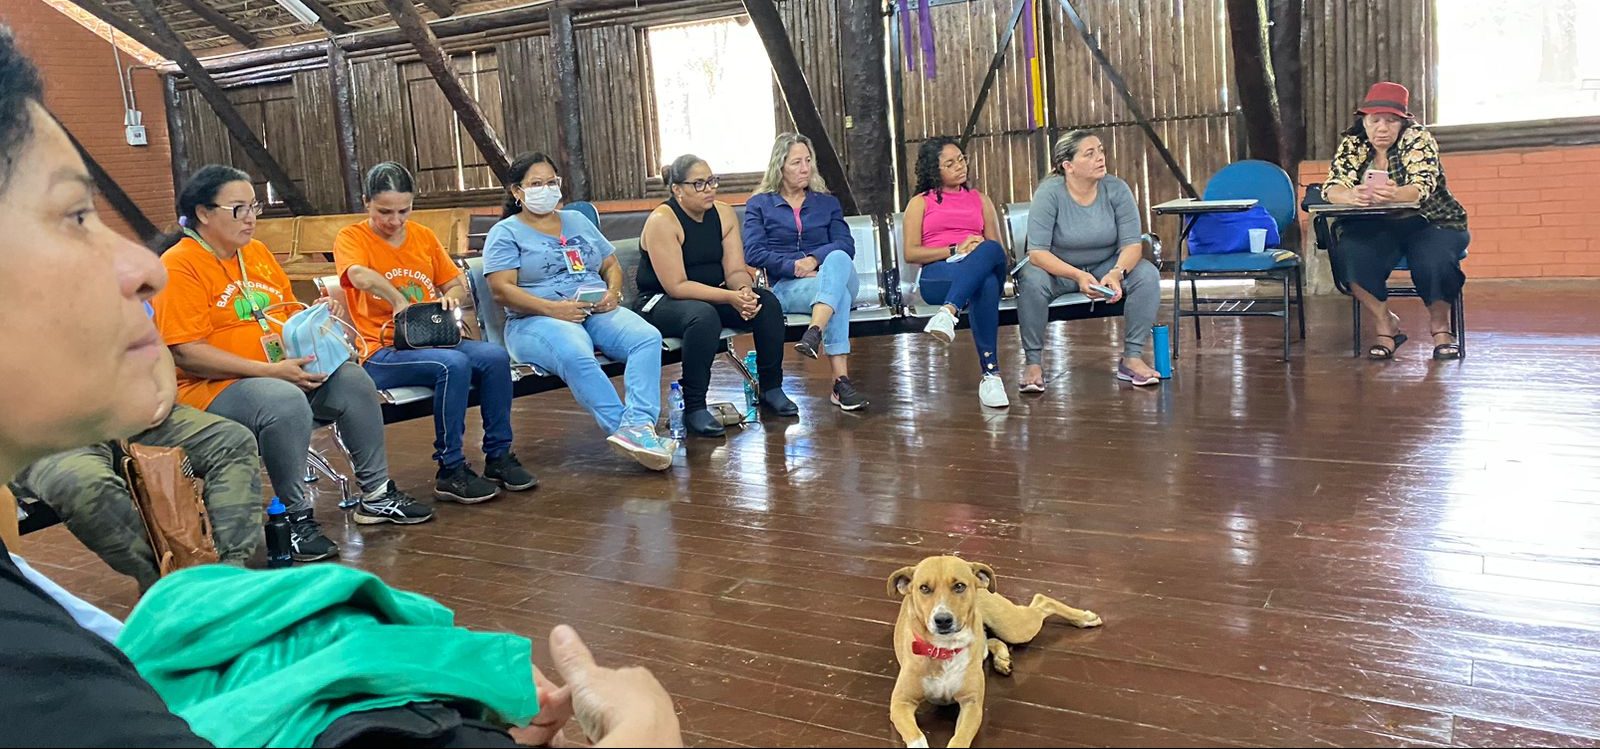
{"x": 1386, "y": 157}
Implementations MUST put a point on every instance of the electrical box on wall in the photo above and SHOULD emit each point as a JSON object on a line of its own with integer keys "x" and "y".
{"x": 133, "y": 122}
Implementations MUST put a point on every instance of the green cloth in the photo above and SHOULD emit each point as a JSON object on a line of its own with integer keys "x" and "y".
{"x": 253, "y": 658}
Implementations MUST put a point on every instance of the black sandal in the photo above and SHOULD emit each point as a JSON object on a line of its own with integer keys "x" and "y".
{"x": 1380, "y": 352}
{"x": 1447, "y": 351}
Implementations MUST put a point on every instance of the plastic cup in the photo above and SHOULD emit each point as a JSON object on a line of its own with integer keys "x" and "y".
{"x": 1258, "y": 240}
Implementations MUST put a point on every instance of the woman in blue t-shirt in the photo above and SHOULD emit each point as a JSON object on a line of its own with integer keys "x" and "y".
{"x": 559, "y": 281}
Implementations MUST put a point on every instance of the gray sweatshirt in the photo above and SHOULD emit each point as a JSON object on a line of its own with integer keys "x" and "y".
{"x": 1083, "y": 235}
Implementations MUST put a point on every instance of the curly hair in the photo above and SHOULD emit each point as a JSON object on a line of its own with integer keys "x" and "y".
{"x": 19, "y": 86}
{"x": 927, "y": 170}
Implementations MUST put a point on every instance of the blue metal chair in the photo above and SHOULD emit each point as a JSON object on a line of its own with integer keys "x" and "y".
{"x": 1324, "y": 234}
{"x": 1267, "y": 183}
{"x": 587, "y": 209}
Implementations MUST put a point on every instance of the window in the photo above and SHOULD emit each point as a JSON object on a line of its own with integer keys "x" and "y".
{"x": 713, "y": 93}
{"x": 1508, "y": 62}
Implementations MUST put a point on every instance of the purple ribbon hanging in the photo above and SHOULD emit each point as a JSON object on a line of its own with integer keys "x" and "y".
{"x": 1027, "y": 56}
{"x": 905, "y": 34}
{"x": 929, "y": 63}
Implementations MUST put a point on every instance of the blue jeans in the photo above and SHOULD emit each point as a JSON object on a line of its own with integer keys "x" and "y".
{"x": 973, "y": 284}
{"x": 452, "y": 373}
{"x": 567, "y": 349}
{"x": 834, "y": 285}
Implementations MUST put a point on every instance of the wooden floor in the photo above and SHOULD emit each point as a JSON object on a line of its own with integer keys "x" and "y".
{"x": 1322, "y": 552}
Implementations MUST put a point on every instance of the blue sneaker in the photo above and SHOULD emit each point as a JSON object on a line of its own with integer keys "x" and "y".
{"x": 641, "y": 443}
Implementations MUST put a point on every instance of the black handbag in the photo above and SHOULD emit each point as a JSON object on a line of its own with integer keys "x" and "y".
{"x": 426, "y": 325}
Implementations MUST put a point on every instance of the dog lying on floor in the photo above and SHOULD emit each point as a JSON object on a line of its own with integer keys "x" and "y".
{"x": 948, "y": 607}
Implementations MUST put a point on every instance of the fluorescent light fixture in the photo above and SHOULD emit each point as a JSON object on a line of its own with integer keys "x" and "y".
{"x": 301, "y": 12}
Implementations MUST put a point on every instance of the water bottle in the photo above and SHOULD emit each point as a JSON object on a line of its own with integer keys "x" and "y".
{"x": 1162, "y": 342}
{"x": 278, "y": 535}
{"x": 675, "y": 412}
{"x": 749, "y": 386}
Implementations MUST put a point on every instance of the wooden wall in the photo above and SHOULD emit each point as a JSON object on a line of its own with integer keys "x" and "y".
{"x": 1173, "y": 54}
{"x": 1351, "y": 44}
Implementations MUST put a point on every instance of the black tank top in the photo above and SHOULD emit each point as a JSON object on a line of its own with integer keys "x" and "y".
{"x": 702, "y": 252}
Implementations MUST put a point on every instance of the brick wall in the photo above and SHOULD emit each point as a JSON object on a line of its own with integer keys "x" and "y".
{"x": 1532, "y": 213}
{"x": 81, "y": 88}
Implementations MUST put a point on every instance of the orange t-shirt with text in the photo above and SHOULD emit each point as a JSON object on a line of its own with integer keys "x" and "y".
{"x": 204, "y": 301}
{"x": 418, "y": 267}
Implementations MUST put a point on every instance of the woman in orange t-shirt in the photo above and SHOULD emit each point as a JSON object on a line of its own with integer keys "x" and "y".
{"x": 213, "y": 315}
{"x": 386, "y": 264}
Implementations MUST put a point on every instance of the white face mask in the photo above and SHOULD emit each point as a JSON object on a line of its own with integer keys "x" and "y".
{"x": 541, "y": 200}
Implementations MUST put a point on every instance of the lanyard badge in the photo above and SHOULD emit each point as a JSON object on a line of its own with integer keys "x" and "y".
{"x": 271, "y": 343}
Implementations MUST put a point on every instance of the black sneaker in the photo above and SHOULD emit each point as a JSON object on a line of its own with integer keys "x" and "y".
{"x": 811, "y": 342}
{"x": 306, "y": 542}
{"x": 460, "y": 484}
{"x": 845, "y": 395}
{"x": 508, "y": 472}
{"x": 392, "y": 506}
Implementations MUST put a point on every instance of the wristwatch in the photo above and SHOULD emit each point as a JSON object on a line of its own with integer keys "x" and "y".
{"x": 952, "y": 250}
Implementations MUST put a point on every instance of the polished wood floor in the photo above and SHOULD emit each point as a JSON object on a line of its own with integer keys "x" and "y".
{"x": 1327, "y": 551}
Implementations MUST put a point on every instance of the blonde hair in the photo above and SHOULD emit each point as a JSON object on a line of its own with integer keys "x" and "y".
{"x": 773, "y": 179}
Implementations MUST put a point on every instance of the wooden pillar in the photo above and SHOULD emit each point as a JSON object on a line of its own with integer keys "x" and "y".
{"x": 177, "y": 133}
{"x": 569, "y": 108}
{"x": 218, "y": 99}
{"x": 866, "y": 96}
{"x": 797, "y": 94}
{"x": 344, "y": 123}
{"x": 113, "y": 192}
{"x": 1258, "y": 89}
{"x": 471, "y": 115}
{"x": 1288, "y": 29}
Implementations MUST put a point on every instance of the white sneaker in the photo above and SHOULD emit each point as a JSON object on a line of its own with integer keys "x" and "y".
{"x": 942, "y": 326}
{"x": 992, "y": 392}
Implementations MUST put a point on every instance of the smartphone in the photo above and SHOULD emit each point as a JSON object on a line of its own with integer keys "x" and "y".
{"x": 650, "y": 305}
{"x": 1106, "y": 290}
{"x": 592, "y": 295}
{"x": 1375, "y": 177}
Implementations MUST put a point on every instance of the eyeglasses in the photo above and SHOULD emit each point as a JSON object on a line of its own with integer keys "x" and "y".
{"x": 239, "y": 210}
{"x": 536, "y": 184}
{"x": 951, "y": 164}
{"x": 702, "y": 185}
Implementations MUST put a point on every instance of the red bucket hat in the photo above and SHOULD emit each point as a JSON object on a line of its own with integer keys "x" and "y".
{"x": 1387, "y": 97}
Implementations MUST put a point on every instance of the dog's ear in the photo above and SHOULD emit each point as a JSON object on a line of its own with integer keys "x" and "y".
{"x": 984, "y": 574}
{"x": 900, "y": 581}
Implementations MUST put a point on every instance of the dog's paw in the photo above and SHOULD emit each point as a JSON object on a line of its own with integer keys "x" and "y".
{"x": 1089, "y": 619}
{"x": 1002, "y": 665}
{"x": 921, "y": 742}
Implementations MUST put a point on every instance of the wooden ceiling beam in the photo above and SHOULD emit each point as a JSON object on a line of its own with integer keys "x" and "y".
{"x": 331, "y": 20}
{"x": 124, "y": 25}
{"x": 223, "y": 23}
{"x": 440, "y": 8}
{"x": 225, "y": 111}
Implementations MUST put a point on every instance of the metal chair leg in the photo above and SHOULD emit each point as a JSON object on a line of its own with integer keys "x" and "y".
{"x": 316, "y": 462}
{"x": 347, "y": 498}
{"x": 1177, "y": 307}
{"x": 732, "y": 353}
{"x": 1194, "y": 306}
{"x": 1355, "y": 327}
{"x": 1458, "y": 320}
{"x": 1285, "y": 279}
{"x": 1300, "y": 299}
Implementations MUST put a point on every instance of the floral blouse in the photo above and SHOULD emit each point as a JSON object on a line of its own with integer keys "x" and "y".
{"x": 1413, "y": 160}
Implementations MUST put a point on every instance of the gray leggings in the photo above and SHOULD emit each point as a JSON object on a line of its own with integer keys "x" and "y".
{"x": 282, "y": 416}
{"x": 1037, "y": 288}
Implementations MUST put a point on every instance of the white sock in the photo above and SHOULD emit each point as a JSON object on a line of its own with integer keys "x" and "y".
{"x": 378, "y": 492}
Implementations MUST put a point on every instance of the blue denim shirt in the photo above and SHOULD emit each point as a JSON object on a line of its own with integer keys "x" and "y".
{"x": 772, "y": 243}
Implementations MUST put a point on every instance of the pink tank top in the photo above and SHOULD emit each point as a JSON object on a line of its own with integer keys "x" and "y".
{"x": 951, "y": 220}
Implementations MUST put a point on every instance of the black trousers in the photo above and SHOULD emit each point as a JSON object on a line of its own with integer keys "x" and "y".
{"x": 700, "y": 326}
{"x": 1367, "y": 251}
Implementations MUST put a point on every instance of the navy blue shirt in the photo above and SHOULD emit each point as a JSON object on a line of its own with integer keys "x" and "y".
{"x": 773, "y": 243}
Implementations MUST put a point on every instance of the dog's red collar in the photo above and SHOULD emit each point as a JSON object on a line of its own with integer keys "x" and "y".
{"x": 922, "y": 647}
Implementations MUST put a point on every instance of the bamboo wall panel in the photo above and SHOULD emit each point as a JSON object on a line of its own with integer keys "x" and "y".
{"x": 319, "y": 144}
{"x": 612, "y": 99}
{"x": 381, "y": 114}
{"x": 1351, "y": 44}
{"x": 813, "y": 27}
{"x": 527, "y": 90}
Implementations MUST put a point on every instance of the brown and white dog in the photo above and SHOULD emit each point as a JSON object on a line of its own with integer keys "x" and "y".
{"x": 948, "y": 608}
